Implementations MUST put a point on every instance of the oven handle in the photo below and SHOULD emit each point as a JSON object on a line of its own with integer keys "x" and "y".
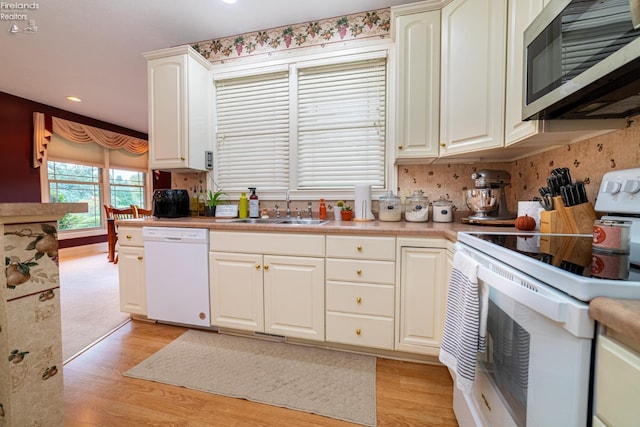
{"x": 546, "y": 305}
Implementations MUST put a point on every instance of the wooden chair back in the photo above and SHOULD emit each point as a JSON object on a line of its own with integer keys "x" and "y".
{"x": 139, "y": 212}
{"x": 108, "y": 210}
{"x": 125, "y": 213}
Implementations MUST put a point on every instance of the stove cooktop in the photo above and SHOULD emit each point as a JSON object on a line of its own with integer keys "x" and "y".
{"x": 565, "y": 262}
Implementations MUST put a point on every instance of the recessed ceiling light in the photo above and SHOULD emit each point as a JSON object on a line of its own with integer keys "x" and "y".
{"x": 229, "y": 1}
{"x": 74, "y": 99}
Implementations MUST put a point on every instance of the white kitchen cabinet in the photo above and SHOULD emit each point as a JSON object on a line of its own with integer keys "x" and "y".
{"x": 268, "y": 282}
{"x": 180, "y": 109}
{"x": 360, "y": 286}
{"x": 472, "y": 75}
{"x": 131, "y": 271}
{"x": 417, "y": 82}
{"x": 617, "y": 383}
{"x": 421, "y": 295}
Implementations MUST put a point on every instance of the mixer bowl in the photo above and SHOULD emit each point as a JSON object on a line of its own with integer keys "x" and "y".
{"x": 483, "y": 201}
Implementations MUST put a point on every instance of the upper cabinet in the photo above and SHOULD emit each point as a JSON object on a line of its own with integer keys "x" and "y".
{"x": 180, "y": 109}
{"x": 472, "y": 75}
{"x": 417, "y": 83}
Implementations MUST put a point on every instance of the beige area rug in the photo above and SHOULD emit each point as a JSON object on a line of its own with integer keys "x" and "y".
{"x": 327, "y": 382}
{"x": 89, "y": 296}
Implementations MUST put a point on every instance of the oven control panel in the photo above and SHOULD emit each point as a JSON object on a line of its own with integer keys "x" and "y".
{"x": 620, "y": 192}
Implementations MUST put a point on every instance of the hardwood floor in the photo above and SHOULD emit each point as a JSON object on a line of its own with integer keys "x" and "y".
{"x": 96, "y": 393}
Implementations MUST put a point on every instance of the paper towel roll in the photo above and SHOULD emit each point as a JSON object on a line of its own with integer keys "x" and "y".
{"x": 531, "y": 209}
{"x": 362, "y": 204}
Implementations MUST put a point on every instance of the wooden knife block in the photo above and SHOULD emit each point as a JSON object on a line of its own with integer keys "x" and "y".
{"x": 576, "y": 219}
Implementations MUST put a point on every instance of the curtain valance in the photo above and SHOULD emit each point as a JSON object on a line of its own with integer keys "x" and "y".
{"x": 81, "y": 134}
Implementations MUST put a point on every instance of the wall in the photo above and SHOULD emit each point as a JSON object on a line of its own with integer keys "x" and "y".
{"x": 588, "y": 161}
{"x": 19, "y": 180}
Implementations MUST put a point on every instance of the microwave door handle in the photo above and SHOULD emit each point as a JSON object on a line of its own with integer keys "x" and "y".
{"x": 546, "y": 305}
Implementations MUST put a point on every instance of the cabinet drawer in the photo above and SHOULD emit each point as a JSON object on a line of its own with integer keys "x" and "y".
{"x": 363, "y": 271}
{"x": 375, "y": 300}
{"x": 362, "y": 247}
{"x": 268, "y": 243}
{"x": 362, "y": 331}
{"x": 130, "y": 236}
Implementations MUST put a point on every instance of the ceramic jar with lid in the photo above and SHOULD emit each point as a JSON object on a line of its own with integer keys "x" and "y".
{"x": 443, "y": 210}
{"x": 417, "y": 207}
{"x": 390, "y": 207}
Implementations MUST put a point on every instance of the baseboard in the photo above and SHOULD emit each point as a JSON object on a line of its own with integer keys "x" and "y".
{"x": 84, "y": 250}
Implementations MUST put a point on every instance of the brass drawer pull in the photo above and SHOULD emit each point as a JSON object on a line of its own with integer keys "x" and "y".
{"x": 358, "y": 331}
{"x": 257, "y": 266}
{"x": 129, "y": 236}
{"x": 359, "y": 248}
{"x": 359, "y": 272}
{"x": 358, "y": 300}
{"x": 266, "y": 267}
{"x": 140, "y": 257}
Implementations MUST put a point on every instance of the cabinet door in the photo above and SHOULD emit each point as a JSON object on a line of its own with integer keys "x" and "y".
{"x": 168, "y": 111}
{"x": 236, "y": 291}
{"x": 521, "y": 13}
{"x": 294, "y": 296}
{"x": 418, "y": 85}
{"x": 133, "y": 285}
{"x": 472, "y": 75}
{"x": 422, "y": 299}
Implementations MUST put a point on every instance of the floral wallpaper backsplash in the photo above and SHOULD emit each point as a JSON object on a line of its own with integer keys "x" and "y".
{"x": 376, "y": 23}
{"x": 587, "y": 160}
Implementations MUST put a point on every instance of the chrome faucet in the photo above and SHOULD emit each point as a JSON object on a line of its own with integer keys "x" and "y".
{"x": 288, "y": 206}
{"x": 276, "y": 209}
{"x": 309, "y": 214}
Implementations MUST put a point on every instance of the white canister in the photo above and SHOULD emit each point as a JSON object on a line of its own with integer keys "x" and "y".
{"x": 443, "y": 210}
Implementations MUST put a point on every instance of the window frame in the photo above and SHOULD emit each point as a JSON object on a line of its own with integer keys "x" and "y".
{"x": 104, "y": 185}
{"x": 298, "y": 59}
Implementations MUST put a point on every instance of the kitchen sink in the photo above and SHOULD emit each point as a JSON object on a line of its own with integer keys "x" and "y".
{"x": 288, "y": 221}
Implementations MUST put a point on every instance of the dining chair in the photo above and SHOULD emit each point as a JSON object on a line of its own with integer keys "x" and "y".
{"x": 111, "y": 232}
{"x": 139, "y": 212}
{"x": 124, "y": 213}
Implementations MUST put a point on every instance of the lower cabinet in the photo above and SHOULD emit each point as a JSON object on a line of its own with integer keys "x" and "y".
{"x": 617, "y": 383}
{"x": 360, "y": 290}
{"x": 423, "y": 269}
{"x": 262, "y": 291}
{"x": 131, "y": 271}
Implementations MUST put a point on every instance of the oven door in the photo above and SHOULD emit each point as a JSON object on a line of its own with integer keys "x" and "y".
{"x": 536, "y": 369}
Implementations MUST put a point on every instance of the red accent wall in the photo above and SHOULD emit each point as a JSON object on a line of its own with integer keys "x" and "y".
{"x": 19, "y": 180}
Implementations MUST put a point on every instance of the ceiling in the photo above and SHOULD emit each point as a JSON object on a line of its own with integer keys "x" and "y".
{"x": 92, "y": 49}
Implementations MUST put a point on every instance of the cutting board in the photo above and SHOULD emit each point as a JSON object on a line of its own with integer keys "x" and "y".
{"x": 492, "y": 222}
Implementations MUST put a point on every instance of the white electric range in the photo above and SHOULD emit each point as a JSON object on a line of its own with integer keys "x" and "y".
{"x": 537, "y": 367}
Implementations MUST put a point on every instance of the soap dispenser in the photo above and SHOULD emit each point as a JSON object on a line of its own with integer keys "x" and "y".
{"x": 254, "y": 204}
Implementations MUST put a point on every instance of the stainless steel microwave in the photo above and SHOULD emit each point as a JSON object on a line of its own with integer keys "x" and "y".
{"x": 582, "y": 60}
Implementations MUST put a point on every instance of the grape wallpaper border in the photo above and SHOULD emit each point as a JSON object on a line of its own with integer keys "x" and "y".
{"x": 363, "y": 25}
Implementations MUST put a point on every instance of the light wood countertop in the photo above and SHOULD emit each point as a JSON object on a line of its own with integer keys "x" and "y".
{"x": 622, "y": 315}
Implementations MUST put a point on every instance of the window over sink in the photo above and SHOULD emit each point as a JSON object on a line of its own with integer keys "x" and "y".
{"x": 306, "y": 124}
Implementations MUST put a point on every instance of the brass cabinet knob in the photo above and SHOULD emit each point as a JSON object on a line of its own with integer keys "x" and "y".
{"x": 443, "y": 144}
{"x": 129, "y": 236}
{"x": 400, "y": 147}
{"x": 359, "y": 272}
{"x": 140, "y": 257}
{"x": 359, "y": 248}
{"x": 257, "y": 266}
{"x": 358, "y": 300}
{"x": 266, "y": 267}
{"x": 358, "y": 331}
{"x": 181, "y": 157}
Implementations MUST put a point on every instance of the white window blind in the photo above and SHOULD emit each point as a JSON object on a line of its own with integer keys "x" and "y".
{"x": 341, "y": 125}
{"x": 253, "y": 132}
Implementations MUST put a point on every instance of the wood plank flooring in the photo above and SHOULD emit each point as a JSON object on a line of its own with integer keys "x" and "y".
{"x": 96, "y": 393}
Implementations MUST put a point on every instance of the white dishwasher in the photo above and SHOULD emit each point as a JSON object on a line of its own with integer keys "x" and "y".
{"x": 177, "y": 274}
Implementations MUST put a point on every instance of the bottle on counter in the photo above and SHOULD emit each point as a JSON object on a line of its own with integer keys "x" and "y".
{"x": 254, "y": 204}
{"x": 322, "y": 210}
{"x": 243, "y": 207}
{"x": 193, "y": 202}
{"x": 201, "y": 202}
